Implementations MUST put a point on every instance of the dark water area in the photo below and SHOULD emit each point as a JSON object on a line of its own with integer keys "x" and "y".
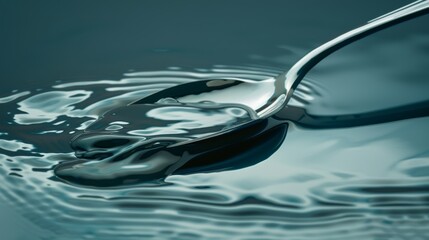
{"x": 355, "y": 167}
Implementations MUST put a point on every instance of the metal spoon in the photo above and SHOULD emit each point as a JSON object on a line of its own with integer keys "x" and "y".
{"x": 112, "y": 158}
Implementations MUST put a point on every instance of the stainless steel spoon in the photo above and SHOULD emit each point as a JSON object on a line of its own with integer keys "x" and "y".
{"x": 141, "y": 152}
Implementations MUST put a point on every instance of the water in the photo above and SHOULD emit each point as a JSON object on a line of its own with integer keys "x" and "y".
{"x": 366, "y": 181}
{"x": 150, "y": 145}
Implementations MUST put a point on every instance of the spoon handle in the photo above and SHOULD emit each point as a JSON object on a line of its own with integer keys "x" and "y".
{"x": 293, "y": 77}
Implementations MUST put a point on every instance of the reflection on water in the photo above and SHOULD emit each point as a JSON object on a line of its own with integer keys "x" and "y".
{"x": 361, "y": 182}
{"x": 387, "y": 69}
{"x": 145, "y": 148}
{"x": 324, "y": 192}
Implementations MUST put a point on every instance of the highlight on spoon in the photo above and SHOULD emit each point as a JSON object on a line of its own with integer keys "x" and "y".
{"x": 291, "y": 79}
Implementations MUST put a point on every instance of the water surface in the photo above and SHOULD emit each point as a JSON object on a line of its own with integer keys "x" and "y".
{"x": 359, "y": 182}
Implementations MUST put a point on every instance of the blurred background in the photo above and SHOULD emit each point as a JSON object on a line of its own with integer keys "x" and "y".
{"x": 46, "y": 41}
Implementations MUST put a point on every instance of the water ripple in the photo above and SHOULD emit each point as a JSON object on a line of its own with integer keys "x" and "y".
{"x": 294, "y": 194}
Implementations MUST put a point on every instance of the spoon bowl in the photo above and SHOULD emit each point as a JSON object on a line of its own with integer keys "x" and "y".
{"x": 257, "y": 96}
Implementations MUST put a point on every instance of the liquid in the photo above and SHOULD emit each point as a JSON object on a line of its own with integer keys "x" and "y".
{"x": 368, "y": 181}
{"x": 114, "y": 152}
{"x": 293, "y": 192}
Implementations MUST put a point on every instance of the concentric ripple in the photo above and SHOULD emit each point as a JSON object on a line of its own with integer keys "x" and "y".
{"x": 325, "y": 192}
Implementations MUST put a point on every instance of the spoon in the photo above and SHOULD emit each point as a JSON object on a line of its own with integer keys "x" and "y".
{"x": 112, "y": 155}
